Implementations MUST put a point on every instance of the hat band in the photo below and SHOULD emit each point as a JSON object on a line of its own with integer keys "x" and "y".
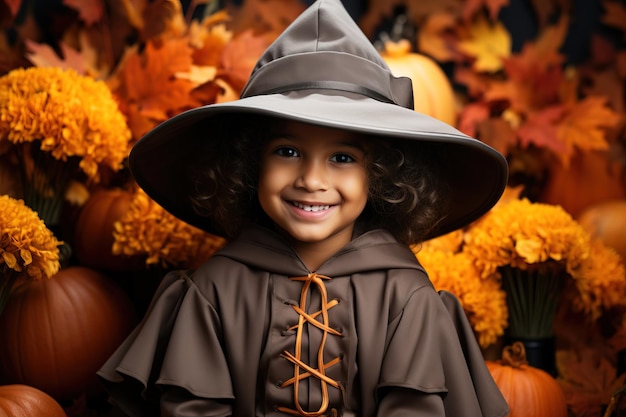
{"x": 330, "y": 85}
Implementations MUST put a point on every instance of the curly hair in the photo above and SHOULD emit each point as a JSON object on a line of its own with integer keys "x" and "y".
{"x": 404, "y": 196}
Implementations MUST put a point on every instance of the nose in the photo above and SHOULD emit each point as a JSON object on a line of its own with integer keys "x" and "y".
{"x": 313, "y": 175}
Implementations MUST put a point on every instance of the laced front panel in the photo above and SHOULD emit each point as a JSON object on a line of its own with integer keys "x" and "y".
{"x": 303, "y": 370}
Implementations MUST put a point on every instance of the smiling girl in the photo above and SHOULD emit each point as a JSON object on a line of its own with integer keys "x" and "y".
{"x": 320, "y": 177}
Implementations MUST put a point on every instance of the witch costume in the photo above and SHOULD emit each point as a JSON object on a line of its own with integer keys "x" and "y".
{"x": 253, "y": 332}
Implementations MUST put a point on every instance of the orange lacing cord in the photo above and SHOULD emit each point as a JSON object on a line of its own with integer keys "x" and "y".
{"x": 320, "y": 371}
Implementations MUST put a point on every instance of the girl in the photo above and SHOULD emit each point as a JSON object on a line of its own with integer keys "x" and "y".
{"x": 320, "y": 176}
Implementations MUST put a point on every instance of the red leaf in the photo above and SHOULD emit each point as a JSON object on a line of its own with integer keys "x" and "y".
{"x": 89, "y": 12}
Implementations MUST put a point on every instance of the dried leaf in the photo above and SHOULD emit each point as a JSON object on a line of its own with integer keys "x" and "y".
{"x": 489, "y": 44}
{"x": 540, "y": 129}
{"x": 42, "y": 55}
{"x": 434, "y": 37}
{"x": 240, "y": 56}
{"x": 149, "y": 84}
{"x": 209, "y": 44}
{"x": 497, "y": 133}
{"x": 89, "y": 12}
{"x": 269, "y": 17}
{"x": 163, "y": 19}
{"x": 587, "y": 379}
{"x": 471, "y": 115}
{"x": 584, "y": 126}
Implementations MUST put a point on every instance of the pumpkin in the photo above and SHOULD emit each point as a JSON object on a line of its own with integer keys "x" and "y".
{"x": 93, "y": 233}
{"x": 432, "y": 90}
{"x": 607, "y": 222}
{"x": 529, "y": 391}
{"x": 19, "y": 400}
{"x": 57, "y": 332}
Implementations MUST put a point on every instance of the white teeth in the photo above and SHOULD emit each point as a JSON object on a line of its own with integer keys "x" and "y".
{"x": 306, "y": 207}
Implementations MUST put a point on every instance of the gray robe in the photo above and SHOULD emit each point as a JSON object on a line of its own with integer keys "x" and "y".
{"x": 212, "y": 340}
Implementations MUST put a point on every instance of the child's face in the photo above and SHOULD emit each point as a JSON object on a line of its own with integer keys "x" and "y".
{"x": 313, "y": 182}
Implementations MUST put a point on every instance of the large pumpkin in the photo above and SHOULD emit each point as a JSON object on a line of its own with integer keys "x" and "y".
{"x": 19, "y": 400}
{"x": 93, "y": 233}
{"x": 432, "y": 90}
{"x": 529, "y": 391}
{"x": 607, "y": 222}
{"x": 57, "y": 332}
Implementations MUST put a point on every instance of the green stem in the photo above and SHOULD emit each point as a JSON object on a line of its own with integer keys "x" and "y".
{"x": 532, "y": 297}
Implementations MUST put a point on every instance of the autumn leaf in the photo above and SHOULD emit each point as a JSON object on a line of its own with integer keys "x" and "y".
{"x": 588, "y": 380}
{"x": 471, "y": 115}
{"x": 89, "y": 12}
{"x": 497, "y": 133}
{"x": 163, "y": 19}
{"x": 42, "y": 55}
{"x": 269, "y": 17}
{"x": 489, "y": 43}
{"x": 584, "y": 126}
{"x": 435, "y": 39}
{"x": 209, "y": 43}
{"x": 240, "y": 56}
{"x": 540, "y": 129}
{"x": 149, "y": 84}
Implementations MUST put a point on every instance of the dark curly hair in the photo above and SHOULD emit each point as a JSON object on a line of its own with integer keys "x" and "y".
{"x": 405, "y": 195}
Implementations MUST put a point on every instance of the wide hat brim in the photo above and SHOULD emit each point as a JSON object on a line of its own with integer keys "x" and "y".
{"x": 476, "y": 175}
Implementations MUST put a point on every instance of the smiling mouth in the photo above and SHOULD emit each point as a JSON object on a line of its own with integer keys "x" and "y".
{"x": 307, "y": 207}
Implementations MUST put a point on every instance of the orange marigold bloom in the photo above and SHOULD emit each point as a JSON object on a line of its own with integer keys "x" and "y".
{"x": 26, "y": 244}
{"x": 69, "y": 114}
{"x": 147, "y": 229}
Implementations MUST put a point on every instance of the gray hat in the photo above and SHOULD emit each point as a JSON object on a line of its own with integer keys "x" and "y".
{"x": 323, "y": 70}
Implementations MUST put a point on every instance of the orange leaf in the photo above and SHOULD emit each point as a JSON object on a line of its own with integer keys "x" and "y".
{"x": 584, "y": 126}
{"x": 540, "y": 129}
{"x": 89, "y": 12}
{"x": 497, "y": 133}
{"x": 471, "y": 115}
{"x": 149, "y": 83}
{"x": 209, "y": 44}
{"x": 42, "y": 55}
{"x": 587, "y": 379}
{"x": 433, "y": 38}
{"x": 240, "y": 56}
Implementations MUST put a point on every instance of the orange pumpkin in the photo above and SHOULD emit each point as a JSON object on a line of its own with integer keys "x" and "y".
{"x": 93, "y": 234}
{"x": 607, "y": 222}
{"x": 432, "y": 90}
{"x": 529, "y": 391}
{"x": 57, "y": 332}
{"x": 19, "y": 400}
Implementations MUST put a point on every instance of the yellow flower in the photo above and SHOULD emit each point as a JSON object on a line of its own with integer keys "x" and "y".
{"x": 69, "y": 114}
{"x": 600, "y": 281}
{"x": 520, "y": 233}
{"x": 26, "y": 244}
{"x": 147, "y": 229}
{"x": 483, "y": 300}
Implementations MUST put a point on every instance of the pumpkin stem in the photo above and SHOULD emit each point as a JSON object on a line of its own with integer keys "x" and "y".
{"x": 514, "y": 355}
{"x": 397, "y": 49}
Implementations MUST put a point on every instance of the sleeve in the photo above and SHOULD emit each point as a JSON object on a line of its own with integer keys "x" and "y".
{"x": 177, "y": 344}
{"x": 432, "y": 352}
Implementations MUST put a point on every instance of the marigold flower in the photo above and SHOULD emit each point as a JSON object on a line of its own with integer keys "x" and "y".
{"x": 483, "y": 300}
{"x": 69, "y": 114}
{"x": 148, "y": 230}
{"x": 26, "y": 244}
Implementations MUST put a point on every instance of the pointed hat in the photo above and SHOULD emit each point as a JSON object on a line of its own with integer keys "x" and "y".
{"x": 323, "y": 70}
